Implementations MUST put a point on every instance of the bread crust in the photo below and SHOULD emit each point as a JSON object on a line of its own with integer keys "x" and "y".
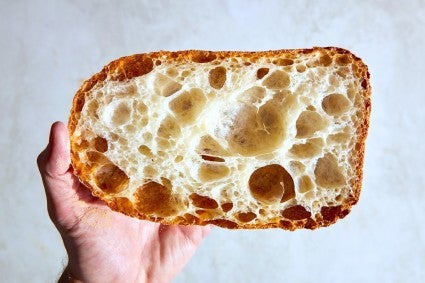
{"x": 128, "y": 67}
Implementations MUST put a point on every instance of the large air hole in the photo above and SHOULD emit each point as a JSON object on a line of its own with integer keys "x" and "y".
{"x": 261, "y": 72}
{"x": 100, "y": 144}
{"x": 146, "y": 151}
{"x": 217, "y": 77}
{"x": 328, "y": 173}
{"x": 335, "y": 104}
{"x": 210, "y": 172}
{"x": 246, "y": 216}
{"x": 271, "y": 184}
{"x": 168, "y": 128}
{"x": 305, "y": 184}
{"x": 308, "y": 123}
{"x": 310, "y": 149}
{"x": 165, "y": 86}
{"x": 297, "y": 212}
{"x": 188, "y": 105}
{"x": 155, "y": 199}
{"x": 203, "y": 201}
{"x": 277, "y": 80}
{"x": 111, "y": 179}
{"x": 339, "y": 138}
{"x": 227, "y": 206}
{"x": 283, "y": 62}
{"x": 256, "y": 131}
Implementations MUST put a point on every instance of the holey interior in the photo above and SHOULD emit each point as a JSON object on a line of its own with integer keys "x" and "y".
{"x": 234, "y": 142}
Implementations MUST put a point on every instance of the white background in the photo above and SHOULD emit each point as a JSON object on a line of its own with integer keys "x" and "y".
{"x": 47, "y": 48}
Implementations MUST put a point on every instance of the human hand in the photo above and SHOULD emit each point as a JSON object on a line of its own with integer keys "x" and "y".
{"x": 104, "y": 245}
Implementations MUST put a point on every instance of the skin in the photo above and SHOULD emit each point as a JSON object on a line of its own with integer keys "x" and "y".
{"x": 104, "y": 245}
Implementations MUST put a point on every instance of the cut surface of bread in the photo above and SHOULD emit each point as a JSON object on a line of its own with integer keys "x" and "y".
{"x": 236, "y": 139}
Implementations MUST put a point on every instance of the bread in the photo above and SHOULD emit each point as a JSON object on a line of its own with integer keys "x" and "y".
{"x": 236, "y": 139}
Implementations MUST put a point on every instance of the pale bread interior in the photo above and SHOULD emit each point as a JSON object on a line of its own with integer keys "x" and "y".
{"x": 249, "y": 143}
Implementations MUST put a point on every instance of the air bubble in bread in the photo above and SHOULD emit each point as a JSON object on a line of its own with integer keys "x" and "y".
{"x": 217, "y": 77}
{"x": 271, "y": 184}
{"x": 277, "y": 80}
{"x": 335, "y": 104}
{"x": 233, "y": 139}
{"x": 328, "y": 173}
{"x": 308, "y": 123}
{"x": 166, "y": 86}
{"x": 154, "y": 199}
{"x": 187, "y": 106}
{"x": 256, "y": 130}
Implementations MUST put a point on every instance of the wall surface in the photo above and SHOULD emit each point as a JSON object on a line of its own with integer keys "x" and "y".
{"x": 48, "y": 48}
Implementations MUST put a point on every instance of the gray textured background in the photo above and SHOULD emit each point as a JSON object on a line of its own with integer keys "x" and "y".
{"x": 48, "y": 47}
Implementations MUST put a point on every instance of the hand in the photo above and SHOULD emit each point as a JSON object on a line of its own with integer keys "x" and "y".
{"x": 104, "y": 245}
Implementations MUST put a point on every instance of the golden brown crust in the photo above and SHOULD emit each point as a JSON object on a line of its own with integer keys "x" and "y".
{"x": 128, "y": 67}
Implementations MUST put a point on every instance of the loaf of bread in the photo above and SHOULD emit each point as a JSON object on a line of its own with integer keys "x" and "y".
{"x": 236, "y": 139}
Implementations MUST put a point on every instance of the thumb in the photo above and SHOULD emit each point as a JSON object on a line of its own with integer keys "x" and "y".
{"x": 58, "y": 159}
{"x": 54, "y": 164}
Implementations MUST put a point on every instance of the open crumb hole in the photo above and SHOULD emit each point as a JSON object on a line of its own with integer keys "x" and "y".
{"x": 143, "y": 149}
{"x": 100, "y": 144}
{"x": 111, "y": 179}
{"x": 209, "y": 172}
{"x": 166, "y": 86}
{"x": 311, "y": 148}
{"x": 246, "y": 216}
{"x": 187, "y": 106}
{"x": 296, "y": 212}
{"x": 227, "y": 206}
{"x": 212, "y": 158}
{"x": 217, "y": 77}
{"x": 277, "y": 80}
{"x": 271, "y": 184}
{"x": 328, "y": 173}
{"x": 168, "y": 128}
{"x": 335, "y": 104}
{"x": 261, "y": 72}
{"x": 305, "y": 184}
{"x": 308, "y": 123}
{"x": 153, "y": 198}
{"x": 203, "y": 201}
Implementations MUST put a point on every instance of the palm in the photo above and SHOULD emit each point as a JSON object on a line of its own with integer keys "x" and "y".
{"x": 105, "y": 245}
